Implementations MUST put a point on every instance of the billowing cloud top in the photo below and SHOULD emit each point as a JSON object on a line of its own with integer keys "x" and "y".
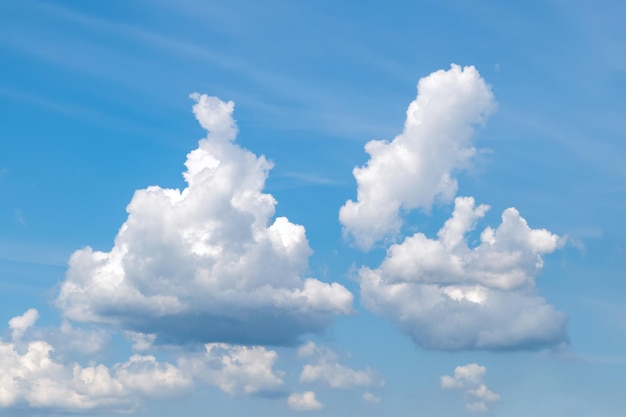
{"x": 418, "y": 166}
{"x": 449, "y": 296}
{"x": 205, "y": 264}
{"x": 443, "y": 293}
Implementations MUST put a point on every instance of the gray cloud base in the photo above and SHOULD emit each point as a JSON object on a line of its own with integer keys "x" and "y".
{"x": 507, "y": 320}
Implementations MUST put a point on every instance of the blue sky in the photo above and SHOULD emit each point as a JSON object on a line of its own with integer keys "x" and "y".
{"x": 183, "y": 231}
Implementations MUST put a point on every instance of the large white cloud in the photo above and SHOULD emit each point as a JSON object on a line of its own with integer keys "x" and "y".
{"x": 419, "y": 165}
{"x": 442, "y": 292}
{"x": 205, "y": 264}
{"x": 449, "y": 296}
{"x": 469, "y": 378}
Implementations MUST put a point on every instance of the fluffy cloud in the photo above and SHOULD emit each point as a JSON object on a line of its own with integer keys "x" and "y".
{"x": 70, "y": 341}
{"x": 449, "y": 296}
{"x": 507, "y": 258}
{"x": 236, "y": 370}
{"x": 327, "y": 369}
{"x": 419, "y": 165}
{"x": 33, "y": 376}
{"x": 20, "y": 324}
{"x": 443, "y": 293}
{"x": 304, "y": 402}
{"x": 66, "y": 340}
{"x": 470, "y": 379}
{"x": 140, "y": 341}
{"x": 205, "y": 264}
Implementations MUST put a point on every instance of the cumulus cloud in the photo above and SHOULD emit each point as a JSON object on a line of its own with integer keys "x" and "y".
{"x": 205, "y": 264}
{"x": 20, "y": 324}
{"x": 329, "y": 371}
{"x": 469, "y": 378}
{"x": 419, "y": 165}
{"x": 507, "y": 258}
{"x": 144, "y": 374}
{"x": 70, "y": 341}
{"x": 140, "y": 341}
{"x": 442, "y": 292}
{"x": 34, "y": 375}
{"x": 449, "y": 296}
{"x": 36, "y": 379}
{"x": 304, "y": 402}
{"x": 370, "y": 398}
{"x": 236, "y": 370}
{"x": 66, "y": 340}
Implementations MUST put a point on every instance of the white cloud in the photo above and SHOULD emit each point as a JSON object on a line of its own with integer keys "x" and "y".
{"x": 327, "y": 370}
{"x": 304, "y": 402}
{"x": 140, "y": 341}
{"x": 205, "y": 264}
{"x": 419, "y": 165}
{"x": 446, "y": 295}
{"x": 34, "y": 375}
{"x": 69, "y": 341}
{"x": 370, "y": 398}
{"x": 236, "y": 370}
{"x": 20, "y": 324}
{"x": 470, "y": 379}
{"x": 469, "y": 374}
{"x": 507, "y": 258}
{"x": 66, "y": 340}
{"x": 35, "y": 379}
{"x": 144, "y": 374}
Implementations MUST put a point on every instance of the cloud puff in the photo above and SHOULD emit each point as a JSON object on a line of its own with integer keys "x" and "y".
{"x": 31, "y": 375}
{"x": 20, "y": 324}
{"x": 304, "y": 402}
{"x": 67, "y": 340}
{"x": 419, "y": 165}
{"x": 205, "y": 264}
{"x": 34, "y": 375}
{"x": 236, "y": 370}
{"x": 449, "y": 296}
{"x": 370, "y": 398}
{"x": 327, "y": 369}
{"x": 470, "y": 379}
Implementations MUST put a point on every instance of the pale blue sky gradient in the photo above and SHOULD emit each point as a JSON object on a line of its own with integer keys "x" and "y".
{"x": 94, "y": 105}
